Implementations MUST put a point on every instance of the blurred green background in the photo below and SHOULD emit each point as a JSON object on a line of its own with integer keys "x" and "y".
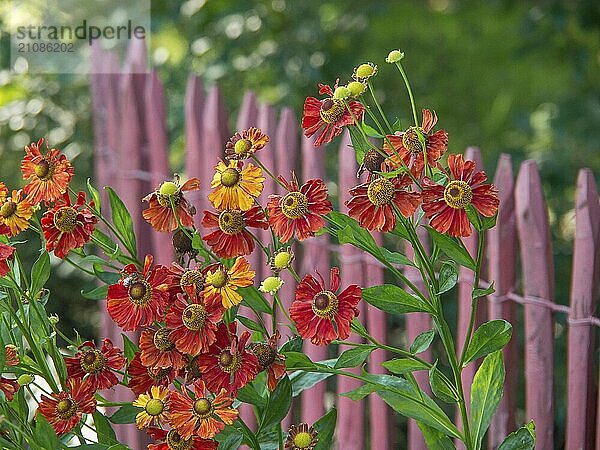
{"x": 507, "y": 76}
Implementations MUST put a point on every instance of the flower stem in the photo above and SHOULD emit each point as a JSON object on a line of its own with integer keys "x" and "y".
{"x": 410, "y": 94}
{"x": 372, "y": 91}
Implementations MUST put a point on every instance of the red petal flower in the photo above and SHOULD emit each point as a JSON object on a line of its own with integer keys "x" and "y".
{"x": 6, "y": 253}
{"x": 67, "y": 227}
{"x": 142, "y": 378}
{"x": 408, "y": 147}
{"x": 203, "y": 416}
{"x": 193, "y": 323}
{"x": 159, "y": 213}
{"x": 158, "y": 350}
{"x": 323, "y": 315}
{"x": 172, "y": 440}
{"x": 96, "y": 365}
{"x": 182, "y": 277}
{"x": 328, "y": 116}
{"x": 64, "y": 410}
{"x": 9, "y": 387}
{"x": 49, "y": 174}
{"x": 300, "y": 211}
{"x": 372, "y": 204}
{"x": 228, "y": 364}
{"x": 231, "y": 239}
{"x": 445, "y": 205}
{"x": 139, "y": 298}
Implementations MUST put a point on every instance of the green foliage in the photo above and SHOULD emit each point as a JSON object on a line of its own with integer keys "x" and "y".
{"x": 393, "y": 299}
{"x": 488, "y": 338}
{"x": 522, "y": 439}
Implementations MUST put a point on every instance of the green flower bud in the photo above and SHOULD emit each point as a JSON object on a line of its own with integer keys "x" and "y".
{"x": 25, "y": 379}
{"x": 168, "y": 188}
{"x": 341, "y": 92}
{"x": 394, "y": 56}
{"x": 271, "y": 285}
{"x": 356, "y": 88}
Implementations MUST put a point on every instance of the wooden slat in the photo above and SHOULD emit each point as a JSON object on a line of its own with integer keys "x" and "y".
{"x": 350, "y": 413}
{"x": 194, "y": 156}
{"x": 158, "y": 156}
{"x": 538, "y": 273}
{"x": 584, "y": 281}
{"x": 502, "y": 267}
{"x": 315, "y": 256}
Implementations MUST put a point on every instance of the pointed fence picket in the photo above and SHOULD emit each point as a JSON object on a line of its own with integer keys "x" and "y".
{"x": 131, "y": 148}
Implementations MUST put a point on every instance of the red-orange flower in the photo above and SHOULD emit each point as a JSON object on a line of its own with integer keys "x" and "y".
{"x": 299, "y": 211}
{"x": 409, "y": 147}
{"x": 7, "y": 385}
{"x": 159, "y": 213}
{"x": 372, "y": 204}
{"x": 228, "y": 364}
{"x": 158, "y": 350}
{"x": 173, "y": 440}
{"x": 202, "y": 416}
{"x": 139, "y": 298}
{"x": 328, "y": 116}
{"x": 269, "y": 359}
{"x": 445, "y": 205}
{"x": 193, "y": 323}
{"x": 323, "y": 315}
{"x": 68, "y": 226}
{"x": 64, "y": 410}
{"x": 182, "y": 277}
{"x": 231, "y": 239}
{"x": 15, "y": 211}
{"x": 142, "y": 378}
{"x": 49, "y": 174}
{"x": 6, "y": 253}
{"x": 243, "y": 145}
{"x": 96, "y": 364}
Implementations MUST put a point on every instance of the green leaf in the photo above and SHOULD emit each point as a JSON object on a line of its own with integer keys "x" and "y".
{"x": 129, "y": 348}
{"x": 255, "y": 300}
{"x": 125, "y": 414}
{"x": 489, "y": 222}
{"x": 95, "y": 196}
{"x": 248, "y": 394}
{"x": 251, "y": 324}
{"x": 477, "y": 293}
{"x": 393, "y": 299}
{"x": 448, "y": 277}
{"x": 435, "y": 439}
{"x": 371, "y": 132}
{"x": 325, "y": 426}
{"x": 486, "y": 392}
{"x": 98, "y": 293}
{"x": 422, "y": 342}
{"x": 40, "y": 273}
{"x": 297, "y": 359}
{"x": 45, "y": 434}
{"x": 522, "y": 439}
{"x": 302, "y": 380}
{"x": 402, "y": 397}
{"x": 354, "y": 357}
{"x": 348, "y": 231}
{"x": 110, "y": 248}
{"x": 488, "y": 338}
{"x": 278, "y": 405}
{"x": 359, "y": 144}
{"x": 359, "y": 328}
{"x": 397, "y": 125}
{"x": 293, "y": 345}
{"x": 122, "y": 221}
{"x": 452, "y": 248}
{"x": 232, "y": 440}
{"x": 106, "y": 435}
{"x": 403, "y": 366}
{"x": 396, "y": 258}
{"x": 360, "y": 392}
{"x": 439, "y": 386}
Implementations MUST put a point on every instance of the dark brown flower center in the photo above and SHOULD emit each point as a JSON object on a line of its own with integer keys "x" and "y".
{"x": 158, "y": 375}
{"x": 182, "y": 243}
{"x": 65, "y": 219}
{"x": 410, "y": 140}
{"x": 325, "y": 304}
{"x": 265, "y": 353}
{"x": 140, "y": 292}
{"x": 192, "y": 277}
{"x": 66, "y": 408}
{"x": 229, "y": 362}
{"x": 230, "y": 177}
{"x": 380, "y": 191}
{"x": 203, "y": 408}
{"x": 294, "y": 205}
{"x": 175, "y": 441}
{"x": 162, "y": 341}
{"x": 332, "y": 110}
{"x": 373, "y": 160}
{"x": 93, "y": 361}
{"x": 43, "y": 170}
{"x": 231, "y": 222}
{"x": 194, "y": 316}
{"x": 8, "y": 209}
{"x": 458, "y": 194}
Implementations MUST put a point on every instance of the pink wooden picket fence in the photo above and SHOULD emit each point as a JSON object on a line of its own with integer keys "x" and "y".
{"x": 131, "y": 148}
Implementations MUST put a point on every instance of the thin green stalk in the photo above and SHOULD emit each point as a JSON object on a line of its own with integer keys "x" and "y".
{"x": 263, "y": 167}
{"x": 410, "y": 94}
{"x": 250, "y": 434}
{"x": 372, "y": 91}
